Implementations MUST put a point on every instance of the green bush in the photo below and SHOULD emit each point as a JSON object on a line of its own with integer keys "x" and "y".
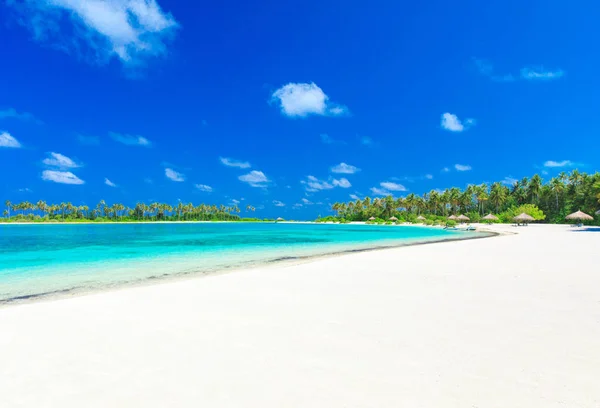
{"x": 529, "y": 209}
{"x": 450, "y": 223}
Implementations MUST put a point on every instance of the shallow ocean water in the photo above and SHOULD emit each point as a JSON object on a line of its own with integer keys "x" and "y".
{"x": 38, "y": 260}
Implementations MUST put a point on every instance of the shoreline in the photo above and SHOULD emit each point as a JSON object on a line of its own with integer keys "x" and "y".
{"x": 181, "y": 276}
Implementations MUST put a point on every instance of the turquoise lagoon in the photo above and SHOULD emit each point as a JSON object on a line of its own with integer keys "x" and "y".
{"x": 39, "y": 260}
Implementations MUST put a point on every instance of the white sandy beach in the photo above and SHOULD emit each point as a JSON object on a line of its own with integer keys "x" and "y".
{"x": 510, "y": 321}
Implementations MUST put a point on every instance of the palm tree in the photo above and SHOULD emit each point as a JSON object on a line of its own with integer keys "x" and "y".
{"x": 8, "y": 205}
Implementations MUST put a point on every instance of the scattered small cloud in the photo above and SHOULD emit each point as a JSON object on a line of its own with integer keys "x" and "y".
{"x": 297, "y": 206}
{"x": 452, "y": 123}
{"x": 486, "y": 69}
{"x": 445, "y": 170}
{"x": 509, "y": 181}
{"x": 541, "y": 74}
{"x": 174, "y": 175}
{"x": 277, "y": 203}
{"x": 303, "y": 99}
{"x": 7, "y": 140}
{"x": 25, "y": 190}
{"x": 234, "y": 163}
{"x": 387, "y": 188}
{"x": 380, "y": 191}
{"x": 132, "y": 31}
{"x": 255, "y": 179}
{"x": 131, "y": 140}
{"x": 326, "y": 139}
{"x": 462, "y": 167}
{"x": 366, "y": 141}
{"x": 344, "y": 168}
{"x": 313, "y": 184}
{"x": 306, "y": 201}
{"x": 343, "y": 183}
{"x": 11, "y": 113}
{"x": 429, "y": 176}
{"x": 388, "y": 185}
{"x": 60, "y": 161}
{"x": 564, "y": 163}
{"x": 235, "y": 202}
{"x": 61, "y": 177}
{"x": 354, "y": 197}
{"x": 109, "y": 183}
{"x": 88, "y": 140}
{"x": 204, "y": 188}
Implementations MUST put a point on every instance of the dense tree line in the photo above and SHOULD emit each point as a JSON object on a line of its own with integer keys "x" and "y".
{"x": 560, "y": 196}
{"x": 42, "y": 211}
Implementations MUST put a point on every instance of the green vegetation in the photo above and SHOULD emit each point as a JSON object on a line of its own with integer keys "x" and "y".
{"x": 67, "y": 212}
{"x": 547, "y": 202}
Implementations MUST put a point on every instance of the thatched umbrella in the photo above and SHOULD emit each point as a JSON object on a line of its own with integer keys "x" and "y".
{"x": 580, "y": 216}
{"x": 421, "y": 218}
{"x": 490, "y": 217}
{"x": 452, "y": 217}
{"x": 279, "y": 219}
{"x": 372, "y": 219}
{"x": 524, "y": 218}
{"x": 463, "y": 218}
{"x": 393, "y": 219}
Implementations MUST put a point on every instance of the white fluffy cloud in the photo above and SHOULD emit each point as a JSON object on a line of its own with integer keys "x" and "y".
{"x": 387, "y": 188}
{"x": 173, "y": 175}
{"x": 509, "y": 181}
{"x": 388, "y": 185}
{"x": 60, "y": 161}
{"x": 539, "y": 73}
{"x": 429, "y": 176}
{"x": 302, "y": 99}
{"x": 277, "y": 203}
{"x": 129, "y": 30}
{"x": 462, "y": 167}
{"x": 452, "y": 123}
{"x": 354, "y": 197}
{"x": 344, "y": 168}
{"x": 343, "y": 183}
{"x": 6, "y": 140}
{"x": 131, "y": 140}
{"x": 109, "y": 183}
{"x": 306, "y": 201}
{"x": 234, "y": 163}
{"x": 62, "y": 177}
{"x": 380, "y": 191}
{"x": 204, "y": 187}
{"x": 564, "y": 163}
{"x": 313, "y": 184}
{"x": 255, "y": 179}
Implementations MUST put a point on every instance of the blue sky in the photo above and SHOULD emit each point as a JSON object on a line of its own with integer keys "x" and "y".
{"x": 290, "y": 106}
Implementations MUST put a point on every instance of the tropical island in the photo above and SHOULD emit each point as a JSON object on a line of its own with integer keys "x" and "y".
{"x": 549, "y": 202}
{"x": 41, "y": 212}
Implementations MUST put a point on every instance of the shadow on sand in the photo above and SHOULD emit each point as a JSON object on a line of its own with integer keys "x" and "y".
{"x": 587, "y": 229}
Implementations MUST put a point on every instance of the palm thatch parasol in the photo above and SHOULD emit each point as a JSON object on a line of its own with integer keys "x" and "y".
{"x": 463, "y": 218}
{"x": 490, "y": 217}
{"x": 452, "y": 217}
{"x": 279, "y": 219}
{"x": 421, "y": 218}
{"x": 393, "y": 219}
{"x": 580, "y": 216}
{"x": 524, "y": 218}
{"x": 372, "y": 219}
